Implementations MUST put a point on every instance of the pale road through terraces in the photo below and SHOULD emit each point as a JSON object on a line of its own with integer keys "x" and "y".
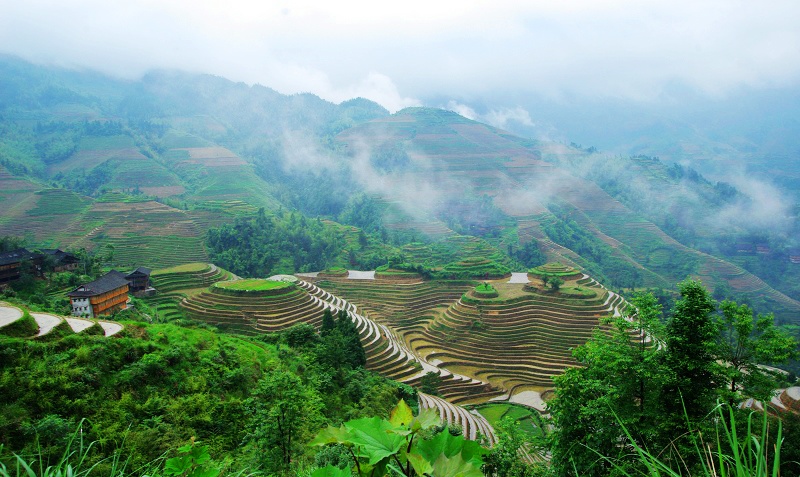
{"x": 472, "y": 424}
{"x": 46, "y": 322}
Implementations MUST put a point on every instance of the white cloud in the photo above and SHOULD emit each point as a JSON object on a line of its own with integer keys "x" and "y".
{"x": 623, "y": 48}
{"x": 500, "y": 118}
{"x": 462, "y": 109}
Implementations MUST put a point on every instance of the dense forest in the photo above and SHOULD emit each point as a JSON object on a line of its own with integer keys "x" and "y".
{"x": 678, "y": 380}
{"x": 148, "y": 392}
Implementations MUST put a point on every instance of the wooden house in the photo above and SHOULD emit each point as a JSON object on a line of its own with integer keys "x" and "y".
{"x": 11, "y": 264}
{"x": 139, "y": 279}
{"x": 60, "y": 260}
{"x": 102, "y": 296}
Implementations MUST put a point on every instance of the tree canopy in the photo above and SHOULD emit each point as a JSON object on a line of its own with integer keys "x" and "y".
{"x": 654, "y": 386}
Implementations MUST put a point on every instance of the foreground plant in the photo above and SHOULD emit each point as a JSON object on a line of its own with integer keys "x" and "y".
{"x": 378, "y": 447}
{"x": 75, "y": 461}
{"x": 752, "y": 454}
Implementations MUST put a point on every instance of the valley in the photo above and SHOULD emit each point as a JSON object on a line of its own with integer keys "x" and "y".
{"x": 333, "y": 259}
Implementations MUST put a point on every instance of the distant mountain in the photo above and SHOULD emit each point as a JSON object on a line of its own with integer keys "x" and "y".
{"x": 564, "y": 198}
{"x": 149, "y": 166}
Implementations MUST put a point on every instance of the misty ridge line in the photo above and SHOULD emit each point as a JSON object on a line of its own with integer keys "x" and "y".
{"x": 420, "y": 192}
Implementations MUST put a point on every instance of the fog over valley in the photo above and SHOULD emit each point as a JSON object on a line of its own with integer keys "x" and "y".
{"x": 418, "y": 239}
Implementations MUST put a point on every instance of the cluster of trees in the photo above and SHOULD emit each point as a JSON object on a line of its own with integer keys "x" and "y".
{"x": 88, "y": 183}
{"x": 289, "y": 242}
{"x": 263, "y": 246}
{"x": 603, "y": 265}
{"x": 256, "y": 401}
{"x": 390, "y": 158}
{"x": 528, "y": 254}
{"x": 364, "y": 212}
{"x": 655, "y": 385}
{"x": 476, "y": 216}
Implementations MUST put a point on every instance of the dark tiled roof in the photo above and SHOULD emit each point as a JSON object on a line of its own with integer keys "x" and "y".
{"x": 110, "y": 281}
{"x": 17, "y": 255}
{"x": 139, "y": 271}
{"x": 60, "y": 255}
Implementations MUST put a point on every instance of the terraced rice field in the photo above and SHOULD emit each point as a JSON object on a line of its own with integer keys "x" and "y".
{"x": 389, "y": 355}
{"x": 276, "y": 308}
{"x": 144, "y": 233}
{"x": 494, "y": 349}
{"x": 398, "y": 304}
{"x": 176, "y": 283}
{"x": 29, "y": 209}
{"x": 253, "y": 311}
{"x": 516, "y": 342}
{"x": 783, "y": 400}
{"x": 462, "y": 254}
{"x": 94, "y": 151}
{"x": 219, "y": 175}
{"x": 555, "y": 269}
{"x": 473, "y": 424}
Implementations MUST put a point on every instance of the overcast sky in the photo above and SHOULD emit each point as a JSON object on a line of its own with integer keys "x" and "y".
{"x": 400, "y": 53}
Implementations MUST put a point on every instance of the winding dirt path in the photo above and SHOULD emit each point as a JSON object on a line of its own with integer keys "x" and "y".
{"x": 110, "y": 327}
{"x": 79, "y": 324}
{"x": 46, "y": 322}
{"x": 9, "y": 314}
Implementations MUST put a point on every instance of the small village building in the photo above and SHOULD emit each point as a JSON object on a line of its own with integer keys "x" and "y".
{"x": 139, "y": 280}
{"x": 60, "y": 260}
{"x": 102, "y": 296}
{"x": 794, "y": 256}
{"x": 11, "y": 264}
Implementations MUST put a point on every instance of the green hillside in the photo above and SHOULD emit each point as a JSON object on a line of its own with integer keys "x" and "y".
{"x": 574, "y": 220}
{"x": 152, "y": 389}
{"x": 150, "y": 166}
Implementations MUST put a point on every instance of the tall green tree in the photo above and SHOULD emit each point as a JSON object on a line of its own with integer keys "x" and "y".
{"x": 690, "y": 354}
{"x": 655, "y": 386}
{"x": 745, "y": 343}
{"x": 619, "y": 384}
{"x": 284, "y": 415}
{"x": 328, "y": 323}
{"x": 504, "y": 458}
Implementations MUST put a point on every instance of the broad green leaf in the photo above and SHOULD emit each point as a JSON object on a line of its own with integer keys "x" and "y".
{"x": 427, "y": 418}
{"x": 374, "y": 438}
{"x": 401, "y": 415}
{"x": 331, "y": 471}
{"x": 448, "y": 445}
{"x": 378, "y": 470}
{"x": 331, "y": 435}
{"x": 209, "y": 472}
{"x": 177, "y": 465}
{"x": 420, "y": 465}
{"x": 200, "y": 454}
{"x": 455, "y": 467}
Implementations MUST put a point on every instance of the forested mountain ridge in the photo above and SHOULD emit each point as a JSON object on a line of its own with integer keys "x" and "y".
{"x": 149, "y": 166}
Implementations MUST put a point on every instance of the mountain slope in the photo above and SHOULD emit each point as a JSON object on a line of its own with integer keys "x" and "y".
{"x": 577, "y": 220}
